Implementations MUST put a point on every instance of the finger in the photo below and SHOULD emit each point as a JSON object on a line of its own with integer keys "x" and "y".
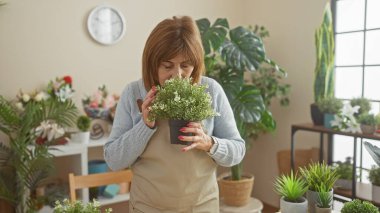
{"x": 189, "y": 138}
{"x": 196, "y": 131}
{"x": 194, "y": 124}
{"x": 151, "y": 92}
{"x": 147, "y": 102}
{"x": 192, "y": 146}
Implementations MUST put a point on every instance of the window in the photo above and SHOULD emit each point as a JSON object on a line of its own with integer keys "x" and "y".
{"x": 357, "y": 66}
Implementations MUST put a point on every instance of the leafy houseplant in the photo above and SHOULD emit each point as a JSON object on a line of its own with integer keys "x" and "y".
{"x": 363, "y": 103}
{"x": 367, "y": 123}
{"x": 229, "y": 53}
{"x": 329, "y": 106}
{"x": 75, "y": 207}
{"x": 345, "y": 171}
{"x": 23, "y": 163}
{"x": 324, "y": 201}
{"x": 291, "y": 189}
{"x": 324, "y": 69}
{"x": 318, "y": 175}
{"x": 180, "y": 101}
{"x": 359, "y": 206}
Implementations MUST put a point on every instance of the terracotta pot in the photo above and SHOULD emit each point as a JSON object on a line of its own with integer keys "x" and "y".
{"x": 289, "y": 207}
{"x": 236, "y": 192}
{"x": 367, "y": 129}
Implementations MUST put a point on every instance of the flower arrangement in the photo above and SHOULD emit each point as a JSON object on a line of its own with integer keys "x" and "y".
{"x": 22, "y": 98}
{"x": 72, "y": 207}
{"x": 179, "y": 99}
{"x": 100, "y": 103}
{"x": 61, "y": 88}
{"x": 345, "y": 120}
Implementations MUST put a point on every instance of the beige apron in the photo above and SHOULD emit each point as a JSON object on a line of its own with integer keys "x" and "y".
{"x": 165, "y": 179}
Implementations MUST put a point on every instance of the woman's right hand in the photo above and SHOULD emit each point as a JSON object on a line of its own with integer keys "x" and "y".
{"x": 145, "y": 106}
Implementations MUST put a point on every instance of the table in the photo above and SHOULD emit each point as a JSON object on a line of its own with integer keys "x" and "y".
{"x": 254, "y": 206}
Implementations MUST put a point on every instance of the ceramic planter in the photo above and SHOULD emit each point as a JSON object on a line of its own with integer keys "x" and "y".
{"x": 327, "y": 120}
{"x": 322, "y": 210}
{"x": 80, "y": 137}
{"x": 316, "y": 114}
{"x": 312, "y": 197}
{"x": 367, "y": 129}
{"x": 376, "y": 193}
{"x": 344, "y": 184}
{"x": 175, "y": 126}
{"x": 289, "y": 207}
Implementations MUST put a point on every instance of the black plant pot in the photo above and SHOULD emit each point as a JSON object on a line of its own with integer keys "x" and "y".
{"x": 316, "y": 114}
{"x": 175, "y": 126}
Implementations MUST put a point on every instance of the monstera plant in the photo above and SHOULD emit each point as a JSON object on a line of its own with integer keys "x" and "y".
{"x": 229, "y": 53}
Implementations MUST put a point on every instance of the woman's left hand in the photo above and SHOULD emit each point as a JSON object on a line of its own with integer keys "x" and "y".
{"x": 200, "y": 139}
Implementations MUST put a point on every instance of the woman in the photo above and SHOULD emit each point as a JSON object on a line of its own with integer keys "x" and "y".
{"x": 166, "y": 179}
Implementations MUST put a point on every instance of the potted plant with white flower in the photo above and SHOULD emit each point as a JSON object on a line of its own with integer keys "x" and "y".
{"x": 78, "y": 206}
{"x": 345, "y": 120}
{"x": 180, "y": 101}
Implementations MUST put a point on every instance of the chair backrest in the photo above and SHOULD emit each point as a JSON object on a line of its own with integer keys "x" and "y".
{"x": 302, "y": 158}
{"x": 100, "y": 179}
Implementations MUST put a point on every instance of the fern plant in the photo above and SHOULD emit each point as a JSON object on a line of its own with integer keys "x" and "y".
{"x": 23, "y": 164}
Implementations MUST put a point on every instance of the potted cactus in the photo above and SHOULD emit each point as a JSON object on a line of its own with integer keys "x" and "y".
{"x": 83, "y": 125}
{"x": 324, "y": 69}
{"x": 291, "y": 189}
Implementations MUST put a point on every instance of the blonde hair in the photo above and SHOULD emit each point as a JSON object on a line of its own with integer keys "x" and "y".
{"x": 171, "y": 37}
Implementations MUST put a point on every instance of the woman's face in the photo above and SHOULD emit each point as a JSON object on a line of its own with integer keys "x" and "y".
{"x": 177, "y": 66}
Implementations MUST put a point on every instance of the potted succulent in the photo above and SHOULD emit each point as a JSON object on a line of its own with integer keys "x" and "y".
{"x": 291, "y": 189}
{"x": 229, "y": 54}
{"x": 345, "y": 171}
{"x": 324, "y": 201}
{"x": 78, "y": 206}
{"x": 374, "y": 178}
{"x": 367, "y": 123}
{"x": 359, "y": 206}
{"x": 318, "y": 175}
{"x": 329, "y": 106}
{"x": 83, "y": 124}
{"x": 363, "y": 103}
{"x": 181, "y": 102}
{"x": 324, "y": 69}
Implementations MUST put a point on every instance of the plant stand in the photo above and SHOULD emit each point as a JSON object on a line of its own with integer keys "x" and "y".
{"x": 253, "y": 206}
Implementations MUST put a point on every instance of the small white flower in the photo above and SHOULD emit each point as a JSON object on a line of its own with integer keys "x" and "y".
{"x": 25, "y": 97}
{"x": 39, "y": 97}
{"x": 64, "y": 93}
{"x": 19, "y": 106}
{"x": 337, "y": 122}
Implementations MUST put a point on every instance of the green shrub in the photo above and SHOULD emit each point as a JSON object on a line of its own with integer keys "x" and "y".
{"x": 356, "y": 206}
{"x": 330, "y": 105}
{"x": 290, "y": 187}
{"x": 374, "y": 175}
{"x": 365, "y": 105}
{"x": 319, "y": 175}
{"x": 344, "y": 169}
{"x": 78, "y": 207}
{"x": 83, "y": 123}
{"x": 367, "y": 119}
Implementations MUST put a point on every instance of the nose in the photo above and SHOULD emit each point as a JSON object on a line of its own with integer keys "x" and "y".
{"x": 177, "y": 71}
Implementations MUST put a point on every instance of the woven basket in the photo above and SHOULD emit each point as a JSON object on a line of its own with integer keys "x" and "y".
{"x": 236, "y": 193}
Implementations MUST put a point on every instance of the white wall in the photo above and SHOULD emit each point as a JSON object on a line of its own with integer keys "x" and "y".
{"x": 43, "y": 39}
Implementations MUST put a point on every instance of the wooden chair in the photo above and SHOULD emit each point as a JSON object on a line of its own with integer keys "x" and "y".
{"x": 303, "y": 157}
{"x": 100, "y": 179}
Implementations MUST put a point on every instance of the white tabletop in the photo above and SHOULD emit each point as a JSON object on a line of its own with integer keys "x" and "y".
{"x": 253, "y": 206}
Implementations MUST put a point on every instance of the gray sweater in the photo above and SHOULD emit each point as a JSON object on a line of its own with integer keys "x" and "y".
{"x": 130, "y": 135}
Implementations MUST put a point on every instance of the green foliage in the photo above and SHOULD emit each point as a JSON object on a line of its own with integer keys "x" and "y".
{"x": 365, "y": 105}
{"x": 228, "y": 54}
{"x": 324, "y": 197}
{"x": 179, "y": 99}
{"x": 23, "y": 164}
{"x": 330, "y": 105}
{"x": 367, "y": 119}
{"x": 357, "y": 206}
{"x": 290, "y": 187}
{"x": 374, "y": 175}
{"x": 83, "y": 123}
{"x": 319, "y": 175}
{"x": 78, "y": 207}
{"x": 324, "y": 69}
{"x": 377, "y": 118}
{"x": 344, "y": 169}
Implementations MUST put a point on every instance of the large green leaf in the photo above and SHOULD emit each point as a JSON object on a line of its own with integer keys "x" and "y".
{"x": 245, "y": 50}
{"x": 231, "y": 81}
{"x": 212, "y": 36}
{"x": 248, "y": 104}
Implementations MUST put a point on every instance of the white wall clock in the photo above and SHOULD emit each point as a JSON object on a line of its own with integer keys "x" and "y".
{"x": 106, "y": 25}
